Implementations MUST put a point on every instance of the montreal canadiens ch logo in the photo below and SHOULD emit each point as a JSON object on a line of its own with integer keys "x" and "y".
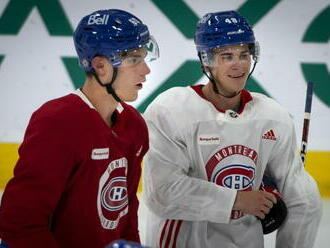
{"x": 237, "y": 176}
{"x": 114, "y": 195}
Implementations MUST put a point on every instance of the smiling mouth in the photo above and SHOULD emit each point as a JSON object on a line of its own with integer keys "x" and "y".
{"x": 237, "y": 76}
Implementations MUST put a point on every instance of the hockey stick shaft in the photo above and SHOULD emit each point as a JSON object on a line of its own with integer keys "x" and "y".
{"x": 308, "y": 108}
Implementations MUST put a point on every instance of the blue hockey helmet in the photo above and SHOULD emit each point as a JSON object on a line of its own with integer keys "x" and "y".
{"x": 124, "y": 244}
{"x": 223, "y": 29}
{"x": 111, "y": 33}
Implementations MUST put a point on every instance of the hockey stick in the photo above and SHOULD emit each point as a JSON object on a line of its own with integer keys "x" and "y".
{"x": 308, "y": 107}
{"x": 278, "y": 213}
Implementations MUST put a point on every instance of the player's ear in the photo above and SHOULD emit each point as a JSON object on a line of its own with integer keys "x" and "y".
{"x": 207, "y": 68}
{"x": 98, "y": 64}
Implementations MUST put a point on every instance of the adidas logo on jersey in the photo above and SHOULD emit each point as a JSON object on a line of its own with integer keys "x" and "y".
{"x": 269, "y": 135}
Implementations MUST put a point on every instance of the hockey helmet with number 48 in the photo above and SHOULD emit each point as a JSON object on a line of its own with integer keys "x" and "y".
{"x": 221, "y": 29}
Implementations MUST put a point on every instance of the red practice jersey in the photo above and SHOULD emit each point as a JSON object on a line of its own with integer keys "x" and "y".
{"x": 76, "y": 179}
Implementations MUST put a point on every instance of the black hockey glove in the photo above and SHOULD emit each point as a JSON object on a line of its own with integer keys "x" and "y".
{"x": 278, "y": 212}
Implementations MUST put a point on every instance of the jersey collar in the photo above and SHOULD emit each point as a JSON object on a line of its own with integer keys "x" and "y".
{"x": 245, "y": 97}
{"x": 82, "y": 96}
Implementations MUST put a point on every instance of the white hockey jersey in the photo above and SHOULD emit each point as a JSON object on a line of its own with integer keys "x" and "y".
{"x": 200, "y": 157}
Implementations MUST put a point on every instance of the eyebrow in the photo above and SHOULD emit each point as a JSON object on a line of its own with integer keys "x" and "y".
{"x": 225, "y": 53}
{"x": 136, "y": 55}
{"x": 230, "y": 53}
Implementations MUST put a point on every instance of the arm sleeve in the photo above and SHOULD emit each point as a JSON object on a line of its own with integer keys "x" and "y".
{"x": 39, "y": 179}
{"x": 132, "y": 232}
{"x": 169, "y": 191}
{"x": 299, "y": 192}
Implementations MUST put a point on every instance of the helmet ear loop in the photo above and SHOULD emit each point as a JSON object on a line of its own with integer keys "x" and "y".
{"x": 108, "y": 86}
{"x": 254, "y": 66}
{"x": 254, "y": 50}
{"x": 210, "y": 77}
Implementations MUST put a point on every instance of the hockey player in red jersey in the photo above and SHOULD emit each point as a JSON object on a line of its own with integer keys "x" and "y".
{"x": 76, "y": 179}
{"x": 211, "y": 145}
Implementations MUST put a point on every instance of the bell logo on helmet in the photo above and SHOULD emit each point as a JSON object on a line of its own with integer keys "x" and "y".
{"x": 98, "y": 20}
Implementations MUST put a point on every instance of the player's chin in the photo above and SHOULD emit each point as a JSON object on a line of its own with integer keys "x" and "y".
{"x": 238, "y": 85}
{"x": 131, "y": 97}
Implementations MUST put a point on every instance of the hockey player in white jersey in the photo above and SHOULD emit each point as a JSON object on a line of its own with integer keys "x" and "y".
{"x": 211, "y": 145}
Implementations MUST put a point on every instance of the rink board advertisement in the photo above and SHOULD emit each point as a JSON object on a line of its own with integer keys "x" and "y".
{"x": 38, "y": 61}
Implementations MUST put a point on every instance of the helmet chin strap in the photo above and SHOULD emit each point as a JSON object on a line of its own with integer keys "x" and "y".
{"x": 215, "y": 88}
{"x": 108, "y": 86}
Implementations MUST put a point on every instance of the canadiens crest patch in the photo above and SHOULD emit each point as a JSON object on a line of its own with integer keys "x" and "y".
{"x": 239, "y": 177}
{"x": 112, "y": 199}
{"x": 114, "y": 195}
{"x": 233, "y": 167}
